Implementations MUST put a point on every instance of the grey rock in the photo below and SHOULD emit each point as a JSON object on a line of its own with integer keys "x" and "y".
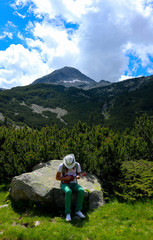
{"x": 41, "y": 186}
{"x": 96, "y": 199}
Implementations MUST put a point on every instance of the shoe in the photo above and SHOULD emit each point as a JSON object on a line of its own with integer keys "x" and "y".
{"x": 80, "y": 214}
{"x": 68, "y": 217}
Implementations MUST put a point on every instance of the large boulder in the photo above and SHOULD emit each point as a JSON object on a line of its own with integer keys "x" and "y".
{"x": 41, "y": 185}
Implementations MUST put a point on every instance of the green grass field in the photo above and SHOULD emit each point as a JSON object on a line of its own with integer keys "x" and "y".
{"x": 112, "y": 221}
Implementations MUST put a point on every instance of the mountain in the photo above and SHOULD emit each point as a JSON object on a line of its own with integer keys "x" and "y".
{"x": 103, "y": 83}
{"x": 125, "y": 86}
{"x": 127, "y": 100}
{"x": 115, "y": 105}
{"x": 69, "y": 77}
{"x": 39, "y": 105}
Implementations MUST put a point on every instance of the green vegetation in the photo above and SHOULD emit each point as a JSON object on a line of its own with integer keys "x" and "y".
{"x": 128, "y": 105}
{"x": 113, "y": 221}
{"x": 115, "y": 106}
{"x": 78, "y": 103}
{"x": 122, "y": 161}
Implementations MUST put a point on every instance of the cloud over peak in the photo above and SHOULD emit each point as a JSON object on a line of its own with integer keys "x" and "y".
{"x": 105, "y": 39}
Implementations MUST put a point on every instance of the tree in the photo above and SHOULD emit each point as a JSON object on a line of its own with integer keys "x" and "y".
{"x": 143, "y": 127}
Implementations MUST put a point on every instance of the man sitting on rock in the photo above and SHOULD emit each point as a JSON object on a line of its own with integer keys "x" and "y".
{"x": 68, "y": 172}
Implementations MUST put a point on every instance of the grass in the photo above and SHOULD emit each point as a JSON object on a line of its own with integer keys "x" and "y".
{"x": 112, "y": 221}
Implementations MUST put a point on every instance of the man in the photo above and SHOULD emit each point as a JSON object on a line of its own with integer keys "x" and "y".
{"x": 68, "y": 172}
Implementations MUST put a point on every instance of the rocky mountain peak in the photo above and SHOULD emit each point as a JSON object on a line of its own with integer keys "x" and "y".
{"x": 68, "y": 77}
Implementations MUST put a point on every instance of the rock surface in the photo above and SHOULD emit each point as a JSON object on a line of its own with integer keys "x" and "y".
{"x": 41, "y": 185}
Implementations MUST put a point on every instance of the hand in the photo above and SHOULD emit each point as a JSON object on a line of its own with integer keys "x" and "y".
{"x": 67, "y": 178}
{"x": 84, "y": 174}
{"x": 81, "y": 175}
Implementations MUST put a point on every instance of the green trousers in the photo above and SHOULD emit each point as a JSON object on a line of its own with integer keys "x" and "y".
{"x": 68, "y": 189}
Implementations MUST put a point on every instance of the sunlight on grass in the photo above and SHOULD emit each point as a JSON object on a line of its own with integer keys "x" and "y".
{"x": 112, "y": 221}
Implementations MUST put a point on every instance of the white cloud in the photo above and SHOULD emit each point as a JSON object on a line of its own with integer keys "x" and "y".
{"x": 7, "y": 30}
{"x": 19, "y": 3}
{"x": 104, "y": 35}
{"x": 150, "y": 70}
{"x": 108, "y": 32}
{"x": 20, "y": 36}
{"x": 29, "y": 26}
{"x": 53, "y": 8}
{"x": 54, "y": 44}
{"x": 10, "y": 24}
{"x": 142, "y": 51}
{"x": 19, "y": 66}
{"x": 124, "y": 77}
{"x": 6, "y": 34}
{"x": 2, "y": 37}
{"x": 19, "y": 14}
{"x": 106, "y": 27}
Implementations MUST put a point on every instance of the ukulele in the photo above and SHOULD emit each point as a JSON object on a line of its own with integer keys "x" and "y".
{"x": 72, "y": 177}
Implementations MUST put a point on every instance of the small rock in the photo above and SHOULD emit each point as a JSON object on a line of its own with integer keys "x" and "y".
{"x": 14, "y": 223}
{"x": 3, "y": 206}
{"x": 37, "y": 223}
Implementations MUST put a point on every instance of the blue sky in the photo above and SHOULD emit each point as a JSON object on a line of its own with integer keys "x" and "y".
{"x": 104, "y": 39}
{"x": 11, "y": 22}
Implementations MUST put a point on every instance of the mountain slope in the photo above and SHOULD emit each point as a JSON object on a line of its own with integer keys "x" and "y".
{"x": 116, "y": 105}
{"x": 44, "y": 104}
{"x": 126, "y": 107}
{"x": 125, "y": 86}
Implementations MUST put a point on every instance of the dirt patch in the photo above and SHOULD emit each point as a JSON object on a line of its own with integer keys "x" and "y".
{"x": 39, "y": 109}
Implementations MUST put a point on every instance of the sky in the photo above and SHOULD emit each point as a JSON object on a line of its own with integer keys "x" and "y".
{"x": 104, "y": 39}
